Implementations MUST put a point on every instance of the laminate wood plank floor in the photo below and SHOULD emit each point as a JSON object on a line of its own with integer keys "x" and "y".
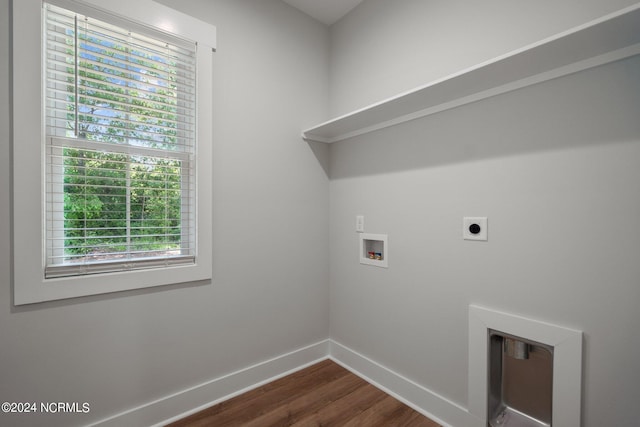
{"x": 324, "y": 394}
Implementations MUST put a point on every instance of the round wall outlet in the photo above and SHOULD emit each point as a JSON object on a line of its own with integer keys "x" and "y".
{"x": 474, "y": 228}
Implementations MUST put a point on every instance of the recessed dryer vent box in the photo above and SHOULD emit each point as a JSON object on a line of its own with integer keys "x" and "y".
{"x": 374, "y": 249}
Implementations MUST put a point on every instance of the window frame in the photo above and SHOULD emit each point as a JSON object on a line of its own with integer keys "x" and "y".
{"x": 29, "y": 245}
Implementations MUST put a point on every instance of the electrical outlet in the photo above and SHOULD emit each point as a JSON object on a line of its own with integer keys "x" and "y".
{"x": 474, "y": 228}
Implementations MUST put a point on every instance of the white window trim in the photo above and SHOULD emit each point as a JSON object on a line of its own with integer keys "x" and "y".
{"x": 29, "y": 284}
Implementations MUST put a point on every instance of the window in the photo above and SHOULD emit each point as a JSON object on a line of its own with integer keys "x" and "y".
{"x": 120, "y": 145}
{"x": 125, "y": 150}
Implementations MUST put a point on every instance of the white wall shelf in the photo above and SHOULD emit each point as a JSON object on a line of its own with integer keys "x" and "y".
{"x": 607, "y": 39}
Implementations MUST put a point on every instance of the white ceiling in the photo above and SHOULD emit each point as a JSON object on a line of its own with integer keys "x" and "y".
{"x": 325, "y": 11}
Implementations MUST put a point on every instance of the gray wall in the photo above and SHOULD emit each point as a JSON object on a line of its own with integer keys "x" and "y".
{"x": 560, "y": 158}
{"x": 269, "y": 294}
{"x": 553, "y": 166}
{"x": 382, "y": 48}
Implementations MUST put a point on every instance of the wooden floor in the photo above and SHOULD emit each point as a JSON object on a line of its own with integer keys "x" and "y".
{"x": 324, "y": 394}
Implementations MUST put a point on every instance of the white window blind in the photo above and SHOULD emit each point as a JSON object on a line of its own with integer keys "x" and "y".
{"x": 120, "y": 146}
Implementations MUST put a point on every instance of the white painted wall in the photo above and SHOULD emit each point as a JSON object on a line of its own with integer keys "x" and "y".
{"x": 382, "y": 48}
{"x": 553, "y": 166}
{"x": 562, "y": 155}
{"x": 269, "y": 294}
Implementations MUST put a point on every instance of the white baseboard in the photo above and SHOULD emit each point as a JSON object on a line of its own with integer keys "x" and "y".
{"x": 172, "y": 408}
{"x": 423, "y": 400}
{"x": 186, "y": 402}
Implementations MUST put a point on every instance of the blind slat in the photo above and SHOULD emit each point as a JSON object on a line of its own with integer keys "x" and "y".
{"x": 174, "y": 98}
{"x": 96, "y": 267}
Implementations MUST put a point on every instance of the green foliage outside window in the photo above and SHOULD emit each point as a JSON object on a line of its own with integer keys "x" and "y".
{"x": 119, "y": 204}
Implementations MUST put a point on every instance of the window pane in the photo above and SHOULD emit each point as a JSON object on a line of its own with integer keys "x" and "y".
{"x": 119, "y": 206}
{"x": 108, "y": 84}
